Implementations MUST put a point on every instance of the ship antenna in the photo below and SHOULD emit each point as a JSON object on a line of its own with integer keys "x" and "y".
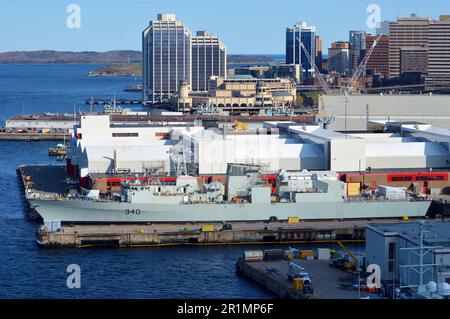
{"x": 178, "y": 159}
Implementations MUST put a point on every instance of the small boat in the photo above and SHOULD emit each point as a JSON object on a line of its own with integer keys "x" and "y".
{"x": 59, "y": 150}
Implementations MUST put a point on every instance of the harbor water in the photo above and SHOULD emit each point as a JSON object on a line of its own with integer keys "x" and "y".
{"x": 27, "y": 271}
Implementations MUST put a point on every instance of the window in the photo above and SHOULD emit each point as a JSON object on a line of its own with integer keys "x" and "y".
{"x": 401, "y": 178}
{"x": 391, "y": 266}
{"x": 391, "y": 250}
{"x": 125, "y": 134}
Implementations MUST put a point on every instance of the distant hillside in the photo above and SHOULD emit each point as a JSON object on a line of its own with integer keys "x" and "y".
{"x": 109, "y": 57}
{"x": 49, "y": 56}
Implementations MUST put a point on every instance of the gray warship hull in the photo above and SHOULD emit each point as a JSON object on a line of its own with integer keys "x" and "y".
{"x": 86, "y": 211}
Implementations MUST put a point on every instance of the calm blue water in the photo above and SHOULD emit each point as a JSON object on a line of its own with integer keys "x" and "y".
{"x": 29, "y": 272}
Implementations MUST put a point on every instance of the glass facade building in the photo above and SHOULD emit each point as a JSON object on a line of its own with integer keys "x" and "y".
{"x": 301, "y": 33}
{"x": 357, "y": 41}
{"x": 166, "y": 57}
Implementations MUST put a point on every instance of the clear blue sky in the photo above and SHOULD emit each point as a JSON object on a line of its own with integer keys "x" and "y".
{"x": 245, "y": 26}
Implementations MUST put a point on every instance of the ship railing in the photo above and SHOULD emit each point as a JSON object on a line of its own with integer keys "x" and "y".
{"x": 360, "y": 199}
{"x": 44, "y": 195}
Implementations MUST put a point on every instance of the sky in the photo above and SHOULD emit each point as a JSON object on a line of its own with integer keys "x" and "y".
{"x": 245, "y": 26}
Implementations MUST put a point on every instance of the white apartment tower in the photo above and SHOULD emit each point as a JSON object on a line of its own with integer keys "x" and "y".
{"x": 166, "y": 57}
{"x": 209, "y": 58}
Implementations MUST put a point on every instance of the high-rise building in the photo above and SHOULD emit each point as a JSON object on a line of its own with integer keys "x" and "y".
{"x": 439, "y": 52}
{"x": 406, "y": 32}
{"x": 301, "y": 33}
{"x": 339, "y": 58}
{"x": 378, "y": 62}
{"x": 209, "y": 58}
{"x": 414, "y": 60}
{"x": 319, "y": 53}
{"x": 357, "y": 41}
{"x": 166, "y": 57}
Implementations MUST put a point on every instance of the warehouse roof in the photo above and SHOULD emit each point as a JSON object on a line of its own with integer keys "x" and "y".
{"x": 318, "y": 132}
{"x": 427, "y": 129}
{"x": 404, "y": 149}
{"x": 438, "y": 233}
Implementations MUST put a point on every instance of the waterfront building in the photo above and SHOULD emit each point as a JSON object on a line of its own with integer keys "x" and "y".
{"x": 406, "y": 32}
{"x": 439, "y": 52}
{"x": 209, "y": 58}
{"x": 379, "y": 60}
{"x": 166, "y": 57}
{"x": 357, "y": 41}
{"x": 339, "y": 58}
{"x": 301, "y": 33}
{"x": 411, "y": 255}
{"x": 249, "y": 94}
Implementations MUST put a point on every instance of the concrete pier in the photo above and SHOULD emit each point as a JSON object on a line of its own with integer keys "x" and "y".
{"x": 200, "y": 234}
{"x": 327, "y": 282}
{"x": 4, "y": 136}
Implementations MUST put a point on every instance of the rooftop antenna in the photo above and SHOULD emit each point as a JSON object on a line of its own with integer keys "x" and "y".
{"x": 91, "y": 102}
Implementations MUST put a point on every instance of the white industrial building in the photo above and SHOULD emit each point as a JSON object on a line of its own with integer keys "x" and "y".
{"x": 396, "y": 248}
{"x": 98, "y": 146}
{"x": 408, "y": 146}
{"x": 213, "y": 149}
{"x": 354, "y": 112}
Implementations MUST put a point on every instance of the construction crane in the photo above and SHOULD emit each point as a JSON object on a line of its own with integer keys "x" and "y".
{"x": 352, "y": 84}
{"x": 355, "y": 264}
{"x": 322, "y": 116}
{"x": 322, "y": 82}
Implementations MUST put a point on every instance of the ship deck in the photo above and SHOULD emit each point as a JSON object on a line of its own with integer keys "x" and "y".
{"x": 46, "y": 178}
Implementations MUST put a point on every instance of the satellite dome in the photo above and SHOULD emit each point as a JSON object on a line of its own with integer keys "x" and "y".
{"x": 431, "y": 286}
{"x": 444, "y": 289}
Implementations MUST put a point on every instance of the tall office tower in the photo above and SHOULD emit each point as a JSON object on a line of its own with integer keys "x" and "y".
{"x": 166, "y": 57}
{"x": 301, "y": 33}
{"x": 357, "y": 41}
{"x": 339, "y": 58}
{"x": 379, "y": 60}
{"x": 319, "y": 56}
{"x": 209, "y": 58}
{"x": 406, "y": 32}
{"x": 439, "y": 52}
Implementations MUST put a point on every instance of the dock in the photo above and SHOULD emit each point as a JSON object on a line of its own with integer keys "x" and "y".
{"x": 327, "y": 282}
{"x": 118, "y": 101}
{"x": 12, "y": 136}
{"x": 199, "y": 234}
